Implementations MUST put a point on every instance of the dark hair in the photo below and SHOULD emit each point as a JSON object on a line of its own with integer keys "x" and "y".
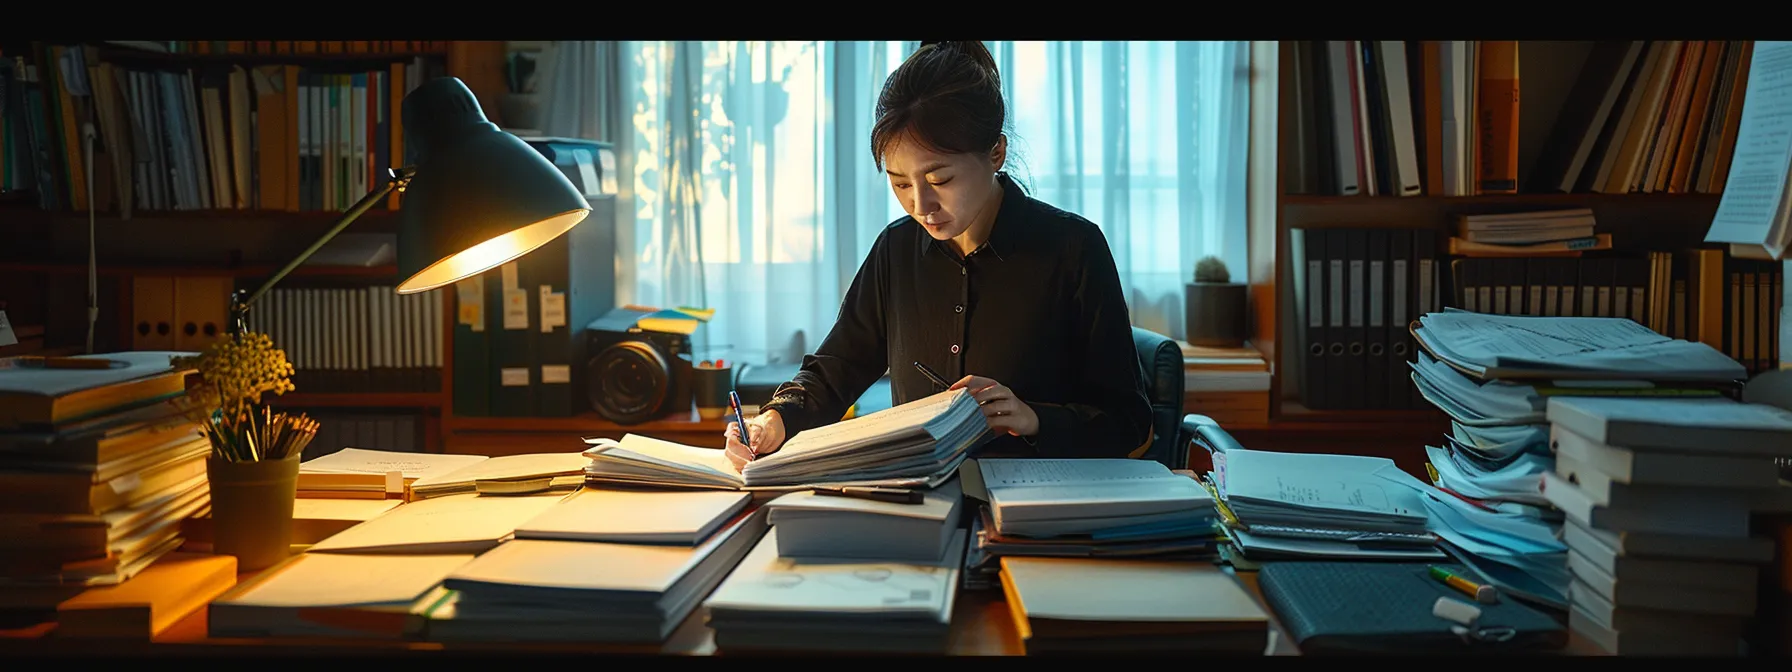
{"x": 947, "y": 96}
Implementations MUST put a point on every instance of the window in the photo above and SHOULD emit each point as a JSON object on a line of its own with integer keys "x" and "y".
{"x": 754, "y": 191}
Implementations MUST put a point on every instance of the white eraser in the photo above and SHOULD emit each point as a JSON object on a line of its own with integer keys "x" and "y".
{"x": 1456, "y": 611}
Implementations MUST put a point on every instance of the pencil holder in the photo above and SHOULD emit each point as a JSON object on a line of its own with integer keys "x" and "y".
{"x": 710, "y": 386}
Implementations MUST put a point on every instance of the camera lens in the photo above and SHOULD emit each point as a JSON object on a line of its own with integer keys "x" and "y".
{"x": 629, "y": 382}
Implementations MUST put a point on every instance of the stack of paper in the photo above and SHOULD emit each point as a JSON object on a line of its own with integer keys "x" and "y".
{"x": 1511, "y": 347}
{"x": 812, "y": 525}
{"x": 1105, "y": 508}
{"x": 1291, "y": 505}
{"x": 452, "y": 524}
{"x": 358, "y": 473}
{"x": 1659, "y": 495}
{"x": 538, "y": 472}
{"x": 538, "y": 590}
{"x": 917, "y": 444}
{"x": 325, "y": 595}
{"x": 1494, "y": 376}
{"x": 773, "y": 603}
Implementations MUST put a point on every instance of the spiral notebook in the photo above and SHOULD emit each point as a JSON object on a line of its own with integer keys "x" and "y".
{"x": 1386, "y": 607}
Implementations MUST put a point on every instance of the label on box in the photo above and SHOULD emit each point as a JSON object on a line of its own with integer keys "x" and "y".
{"x": 553, "y": 309}
{"x": 470, "y": 297}
{"x": 516, "y": 309}
{"x": 513, "y": 377}
{"x": 558, "y": 373}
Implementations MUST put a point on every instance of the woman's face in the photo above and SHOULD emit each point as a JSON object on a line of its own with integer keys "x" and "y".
{"x": 944, "y": 192}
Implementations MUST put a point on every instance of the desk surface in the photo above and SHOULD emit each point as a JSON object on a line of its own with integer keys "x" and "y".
{"x": 981, "y": 625}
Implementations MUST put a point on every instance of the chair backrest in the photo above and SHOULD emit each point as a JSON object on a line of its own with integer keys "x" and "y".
{"x": 1160, "y": 360}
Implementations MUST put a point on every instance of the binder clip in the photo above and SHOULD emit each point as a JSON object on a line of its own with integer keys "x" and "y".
{"x": 1465, "y": 619}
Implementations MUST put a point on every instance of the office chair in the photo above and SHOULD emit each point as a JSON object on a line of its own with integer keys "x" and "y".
{"x": 1160, "y": 361}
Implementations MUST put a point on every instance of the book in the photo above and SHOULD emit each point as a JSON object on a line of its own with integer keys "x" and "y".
{"x": 917, "y": 445}
{"x": 1085, "y": 604}
{"x": 55, "y": 397}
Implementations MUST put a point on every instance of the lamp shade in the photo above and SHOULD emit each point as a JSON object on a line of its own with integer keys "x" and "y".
{"x": 479, "y": 196}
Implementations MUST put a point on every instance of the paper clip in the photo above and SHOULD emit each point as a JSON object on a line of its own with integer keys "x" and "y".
{"x": 1465, "y": 617}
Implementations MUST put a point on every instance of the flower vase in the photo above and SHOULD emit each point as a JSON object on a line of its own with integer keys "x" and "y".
{"x": 251, "y": 505}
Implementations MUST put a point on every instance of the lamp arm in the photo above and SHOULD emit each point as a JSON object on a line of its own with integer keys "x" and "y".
{"x": 241, "y": 300}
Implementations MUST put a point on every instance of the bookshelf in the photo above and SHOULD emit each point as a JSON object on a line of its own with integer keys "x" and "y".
{"x": 1283, "y": 205}
{"x": 43, "y": 266}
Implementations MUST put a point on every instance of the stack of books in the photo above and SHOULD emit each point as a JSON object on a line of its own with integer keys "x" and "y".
{"x": 97, "y": 469}
{"x": 1096, "y": 508}
{"x": 1493, "y": 375}
{"x": 915, "y": 445}
{"x": 1547, "y": 233}
{"x": 605, "y": 565}
{"x": 775, "y": 603}
{"x": 1659, "y": 494}
{"x": 1230, "y": 385}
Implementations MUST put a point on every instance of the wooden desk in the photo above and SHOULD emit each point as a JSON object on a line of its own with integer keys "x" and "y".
{"x": 981, "y": 626}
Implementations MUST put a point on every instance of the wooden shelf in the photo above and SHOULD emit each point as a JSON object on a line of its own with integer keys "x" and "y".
{"x": 127, "y": 55}
{"x": 586, "y": 423}
{"x": 26, "y": 213}
{"x": 359, "y": 400}
{"x": 255, "y": 271}
{"x": 1561, "y": 200}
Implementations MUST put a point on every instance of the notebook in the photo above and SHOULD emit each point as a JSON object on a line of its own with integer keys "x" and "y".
{"x": 1386, "y": 607}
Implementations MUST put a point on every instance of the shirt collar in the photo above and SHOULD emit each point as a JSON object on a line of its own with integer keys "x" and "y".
{"x": 1004, "y": 234}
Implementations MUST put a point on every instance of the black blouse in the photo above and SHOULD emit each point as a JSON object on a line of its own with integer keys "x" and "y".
{"x": 1038, "y": 307}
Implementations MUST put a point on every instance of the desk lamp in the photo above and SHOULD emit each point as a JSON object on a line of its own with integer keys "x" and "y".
{"x": 475, "y": 197}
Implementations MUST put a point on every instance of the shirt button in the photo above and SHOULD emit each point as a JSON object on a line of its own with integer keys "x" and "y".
{"x": 955, "y": 349}
{"x": 958, "y": 308}
{"x": 964, "y": 271}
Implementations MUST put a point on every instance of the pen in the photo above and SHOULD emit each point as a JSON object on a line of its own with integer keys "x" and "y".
{"x": 891, "y": 495}
{"x": 1482, "y": 593}
{"x": 932, "y": 375}
{"x": 740, "y": 420}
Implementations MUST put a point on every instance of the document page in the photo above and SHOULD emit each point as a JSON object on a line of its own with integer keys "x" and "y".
{"x": 1601, "y": 345}
{"x": 1012, "y": 473}
{"x": 1351, "y": 483}
{"x": 1753, "y": 209}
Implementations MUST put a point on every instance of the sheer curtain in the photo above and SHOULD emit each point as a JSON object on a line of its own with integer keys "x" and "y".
{"x": 749, "y": 185}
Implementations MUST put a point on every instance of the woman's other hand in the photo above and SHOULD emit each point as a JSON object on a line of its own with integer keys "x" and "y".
{"x": 1004, "y": 411}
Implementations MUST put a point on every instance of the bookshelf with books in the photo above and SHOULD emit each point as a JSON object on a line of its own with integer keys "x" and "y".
{"x": 1629, "y": 142}
{"x": 211, "y": 165}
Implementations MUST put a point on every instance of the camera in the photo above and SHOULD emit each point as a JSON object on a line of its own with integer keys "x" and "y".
{"x": 636, "y": 375}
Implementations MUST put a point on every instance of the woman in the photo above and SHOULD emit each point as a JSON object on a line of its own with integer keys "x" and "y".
{"x": 1015, "y": 299}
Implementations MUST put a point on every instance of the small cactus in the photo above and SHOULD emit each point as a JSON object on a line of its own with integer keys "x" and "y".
{"x": 1211, "y": 270}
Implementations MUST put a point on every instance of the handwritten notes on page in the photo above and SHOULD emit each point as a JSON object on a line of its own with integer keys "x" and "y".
{"x": 1754, "y": 208}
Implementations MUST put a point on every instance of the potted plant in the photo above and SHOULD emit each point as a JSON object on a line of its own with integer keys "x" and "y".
{"x": 253, "y": 469}
{"x": 1215, "y": 307}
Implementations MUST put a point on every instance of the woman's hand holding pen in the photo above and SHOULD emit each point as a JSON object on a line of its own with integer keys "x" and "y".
{"x": 1004, "y": 411}
{"x": 766, "y": 433}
